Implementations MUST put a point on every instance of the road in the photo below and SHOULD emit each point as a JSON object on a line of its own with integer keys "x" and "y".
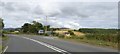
{"x": 29, "y": 43}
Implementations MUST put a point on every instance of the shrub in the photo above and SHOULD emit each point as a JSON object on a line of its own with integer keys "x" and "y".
{"x": 46, "y": 34}
{"x": 61, "y": 36}
{"x": 71, "y": 32}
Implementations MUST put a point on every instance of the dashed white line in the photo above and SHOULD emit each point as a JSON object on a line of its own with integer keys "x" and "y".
{"x": 4, "y": 50}
{"x": 49, "y": 46}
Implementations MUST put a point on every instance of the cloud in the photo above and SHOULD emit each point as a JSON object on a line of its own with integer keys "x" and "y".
{"x": 61, "y": 0}
{"x": 61, "y": 14}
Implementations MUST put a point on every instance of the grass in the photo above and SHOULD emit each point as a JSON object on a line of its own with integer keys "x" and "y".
{"x": 0, "y": 44}
{"x": 94, "y": 42}
{"x": 0, "y": 48}
{"x": 103, "y": 38}
{"x": 4, "y": 38}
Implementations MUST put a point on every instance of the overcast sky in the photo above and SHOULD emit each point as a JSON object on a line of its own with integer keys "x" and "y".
{"x": 61, "y": 13}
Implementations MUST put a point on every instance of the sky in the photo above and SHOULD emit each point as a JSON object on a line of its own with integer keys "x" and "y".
{"x": 73, "y": 14}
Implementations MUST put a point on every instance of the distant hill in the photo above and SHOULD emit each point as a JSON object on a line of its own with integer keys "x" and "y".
{"x": 11, "y": 28}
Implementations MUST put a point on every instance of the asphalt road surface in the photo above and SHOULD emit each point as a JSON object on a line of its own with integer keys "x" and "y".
{"x": 29, "y": 43}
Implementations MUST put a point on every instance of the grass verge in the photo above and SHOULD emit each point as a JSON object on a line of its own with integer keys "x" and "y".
{"x": 4, "y": 41}
{"x": 0, "y": 48}
{"x": 94, "y": 42}
{"x": 4, "y": 38}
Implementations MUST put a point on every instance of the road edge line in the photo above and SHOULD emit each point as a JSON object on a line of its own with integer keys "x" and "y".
{"x": 48, "y": 46}
{"x": 4, "y": 50}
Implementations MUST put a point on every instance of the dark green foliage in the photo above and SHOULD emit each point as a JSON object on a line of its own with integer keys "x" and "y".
{"x": 109, "y": 35}
{"x": 37, "y": 25}
{"x": 32, "y": 28}
{"x": 1, "y": 26}
{"x": 1, "y": 23}
{"x": 26, "y": 27}
{"x": 46, "y": 34}
{"x": 71, "y": 32}
{"x": 53, "y": 33}
{"x": 60, "y": 36}
{"x": 47, "y": 27}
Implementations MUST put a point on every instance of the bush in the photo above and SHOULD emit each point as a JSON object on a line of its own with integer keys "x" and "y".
{"x": 46, "y": 34}
{"x": 82, "y": 37}
{"x": 53, "y": 33}
{"x": 71, "y": 32}
{"x": 61, "y": 36}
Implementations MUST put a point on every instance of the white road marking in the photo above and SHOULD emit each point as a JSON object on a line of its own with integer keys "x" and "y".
{"x": 49, "y": 46}
{"x": 4, "y": 50}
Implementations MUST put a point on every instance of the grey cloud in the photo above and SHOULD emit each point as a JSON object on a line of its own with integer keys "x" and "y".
{"x": 69, "y": 9}
{"x": 25, "y": 8}
{"x": 70, "y": 14}
{"x": 55, "y": 14}
{"x": 2, "y": 3}
{"x": 38, "y": 10}
{"x": 10, "y": 6}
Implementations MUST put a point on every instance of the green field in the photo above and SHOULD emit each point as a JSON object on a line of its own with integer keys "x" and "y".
{"x": 99, "y": 37}
{"x": 108, "y": 35}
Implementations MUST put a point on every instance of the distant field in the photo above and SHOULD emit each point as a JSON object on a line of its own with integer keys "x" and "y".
{"x": 75, "y": 32}
{"x": 100, "y": 37}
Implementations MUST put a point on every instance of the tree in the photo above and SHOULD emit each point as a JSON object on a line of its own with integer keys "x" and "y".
{"x": 47, "y": 27}
{"x": 37, "y": 25}
{"x": 26, "y": 27}
{"x": 32, "y": 28}
{"x": 1, "y": 23}
{"x": 1, "y": 27}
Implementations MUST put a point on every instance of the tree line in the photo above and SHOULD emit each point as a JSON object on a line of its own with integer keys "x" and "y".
{"x": 34, "y": 27}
